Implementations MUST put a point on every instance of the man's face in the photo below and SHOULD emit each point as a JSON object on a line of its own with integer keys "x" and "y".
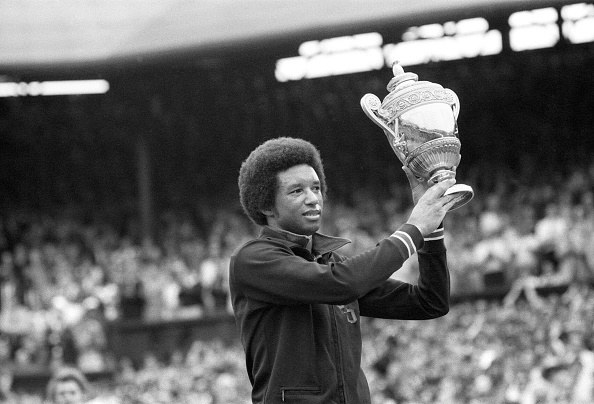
{"x": 68, "y": 392}
{"x": 298, "y": 203}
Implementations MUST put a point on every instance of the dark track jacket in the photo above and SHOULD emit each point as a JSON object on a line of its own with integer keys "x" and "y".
{"x": 298, "y": 312}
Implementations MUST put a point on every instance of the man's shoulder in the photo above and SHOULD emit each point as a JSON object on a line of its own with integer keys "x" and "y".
{"x": 254, "y": 252}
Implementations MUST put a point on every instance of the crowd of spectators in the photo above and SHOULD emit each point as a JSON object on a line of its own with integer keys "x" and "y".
{"x": 484, "y": 352}
{"x": 62, "y": 277}
{"x": 61, "y": 280}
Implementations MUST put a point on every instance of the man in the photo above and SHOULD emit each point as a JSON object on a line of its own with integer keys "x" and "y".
{"x": 67, "y": 386}
{"x": 298, "y": 303}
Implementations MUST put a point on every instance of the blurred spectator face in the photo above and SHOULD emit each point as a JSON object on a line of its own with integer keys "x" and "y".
{"x": 225, "y": 388}
{"x": 4, "y": 349}
{"x": 5, "y": 380}
{"x": 68, "y": 392}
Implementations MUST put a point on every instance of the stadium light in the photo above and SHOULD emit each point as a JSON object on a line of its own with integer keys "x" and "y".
{"x": 452, "y": 40}
{"x": 533, "y": 29}
{"x": 365, "y": 52}
{"x": 449, "y": 41}
{"x": 46, "y": 88}
{"x": 578, "y": 23}
{"x": 332, "y": 57}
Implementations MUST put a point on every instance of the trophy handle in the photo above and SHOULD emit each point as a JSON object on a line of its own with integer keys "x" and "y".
{"x": 371, "y": 104}
{"x": 455, "y": 104}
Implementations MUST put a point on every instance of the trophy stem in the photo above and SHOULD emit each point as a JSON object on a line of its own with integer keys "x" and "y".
{"x": 440, "y": 175}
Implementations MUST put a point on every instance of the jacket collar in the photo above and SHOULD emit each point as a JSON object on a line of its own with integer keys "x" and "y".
{"x": 322, "y": 243}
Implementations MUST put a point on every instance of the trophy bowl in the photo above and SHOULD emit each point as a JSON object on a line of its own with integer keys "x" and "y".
{"x": 419, "y": 118}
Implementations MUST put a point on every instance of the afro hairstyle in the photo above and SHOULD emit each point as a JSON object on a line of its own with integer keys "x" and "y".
{"x": 258, "y": 173}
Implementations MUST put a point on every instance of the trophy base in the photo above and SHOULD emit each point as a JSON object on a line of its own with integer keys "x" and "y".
{"x": 461, "y": 193}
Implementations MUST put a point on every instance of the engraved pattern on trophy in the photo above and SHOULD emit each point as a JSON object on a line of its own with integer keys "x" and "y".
{"x": 419, "y": 118}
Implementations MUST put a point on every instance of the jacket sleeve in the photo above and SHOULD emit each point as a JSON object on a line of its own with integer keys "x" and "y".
{"x": 270, "y": 272}
{"x": 429, "y": 298}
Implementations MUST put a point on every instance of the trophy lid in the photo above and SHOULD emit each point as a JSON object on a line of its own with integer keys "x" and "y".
{"x": 407, "y": 92}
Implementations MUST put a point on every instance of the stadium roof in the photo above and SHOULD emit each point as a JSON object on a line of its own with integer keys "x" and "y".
{"x": 46, "y": 34}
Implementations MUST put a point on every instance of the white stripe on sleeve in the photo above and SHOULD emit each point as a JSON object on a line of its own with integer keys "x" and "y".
{"x": 407, "y": 240}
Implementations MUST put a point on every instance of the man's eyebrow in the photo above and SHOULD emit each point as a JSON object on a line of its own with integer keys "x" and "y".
{"x": 293, "y": 184}
{"x": 298, "y": 182}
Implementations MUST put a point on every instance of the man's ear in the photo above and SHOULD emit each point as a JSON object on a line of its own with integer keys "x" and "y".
{"x": 267, "y": 212}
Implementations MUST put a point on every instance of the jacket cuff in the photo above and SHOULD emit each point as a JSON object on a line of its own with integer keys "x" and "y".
{"x": 435, "y": 240}
{"x": 409, "y": 237}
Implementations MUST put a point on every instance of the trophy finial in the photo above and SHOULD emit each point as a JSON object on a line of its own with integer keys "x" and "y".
{"x": 397, "y": 69}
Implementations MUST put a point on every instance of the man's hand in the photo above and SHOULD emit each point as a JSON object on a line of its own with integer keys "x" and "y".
{"x": 431, "y": 207}
{"x": 418, "y": 186}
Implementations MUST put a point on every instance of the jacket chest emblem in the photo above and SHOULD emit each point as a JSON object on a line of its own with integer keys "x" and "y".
{"x": 349, "y": 313}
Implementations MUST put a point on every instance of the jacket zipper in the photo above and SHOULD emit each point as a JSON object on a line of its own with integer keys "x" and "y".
{"x": 338, "y": 354}
{"x": 298, "y": 389}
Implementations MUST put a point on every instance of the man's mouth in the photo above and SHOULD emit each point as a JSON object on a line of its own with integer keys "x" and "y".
{"x": 314, "y": 214}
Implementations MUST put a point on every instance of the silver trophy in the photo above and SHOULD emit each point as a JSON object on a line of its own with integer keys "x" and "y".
{"x": 419, "y": 120}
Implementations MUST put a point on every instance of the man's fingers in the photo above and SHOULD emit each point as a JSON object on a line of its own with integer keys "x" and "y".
{"x": 437, "y": 190}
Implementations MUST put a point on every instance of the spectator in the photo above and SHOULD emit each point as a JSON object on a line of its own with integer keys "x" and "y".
{"x": 68, "y": 386}
{"x": 6, "y": 377}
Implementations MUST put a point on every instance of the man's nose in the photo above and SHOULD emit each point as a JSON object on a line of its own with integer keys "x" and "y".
{"x": 311, "y": 197}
